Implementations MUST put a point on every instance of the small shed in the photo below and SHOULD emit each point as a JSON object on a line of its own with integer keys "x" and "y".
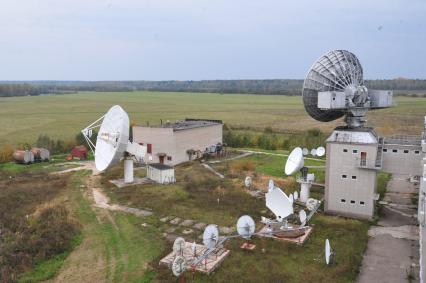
{"x": 40, "y": 154}
{"x": 23, "y": 156}
{"x": 161, "y": 173}
{"x": 79, "y": 151}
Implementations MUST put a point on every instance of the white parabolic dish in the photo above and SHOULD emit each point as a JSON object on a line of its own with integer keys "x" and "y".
{"x": 245, "y": 226}
{"x": 113, "y": 138}
{"x": 320, "y": 151}
{"x": 210, "y": 236}
{"x": 279, "y": 203}
{"x": 294, "y": 162}
{"x": 327, "y": 251}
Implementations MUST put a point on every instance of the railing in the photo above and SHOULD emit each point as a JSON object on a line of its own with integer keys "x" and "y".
{"x": 367, "y": 164}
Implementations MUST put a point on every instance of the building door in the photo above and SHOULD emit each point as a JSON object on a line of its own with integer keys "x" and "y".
{"x": 161, "y": 157}
{"x": 363, "y": 158}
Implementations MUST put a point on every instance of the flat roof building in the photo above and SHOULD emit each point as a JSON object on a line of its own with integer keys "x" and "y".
{"x": 175, "y": 143}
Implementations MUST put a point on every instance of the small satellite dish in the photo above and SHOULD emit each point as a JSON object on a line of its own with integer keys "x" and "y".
{"x": 178, "y": 246}
{"x": 210, "y": 236}
{"x": 320, "y": 151}
{"x": 311, "y": 203}
{"x": 296, "y": 195}
{"x": 271, "y": 185}
{"x": 313, "y": 152}
{"x": 248, "y": 182}
{"x": 245, "y": 226}
{"x": 178, "y": 266}
{"x": 294, "y": 162}
{"x": 305, "y": 151}
{"x": 291, "y": 197}
{"x": 302, "y": 216}
{"x": 279, "y": 203}
{"x": 328, "y": 252}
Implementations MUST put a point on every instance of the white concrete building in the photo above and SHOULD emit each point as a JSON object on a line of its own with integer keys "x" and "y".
{"x": 161, "y": 173}
{"x": 175, "y": 143}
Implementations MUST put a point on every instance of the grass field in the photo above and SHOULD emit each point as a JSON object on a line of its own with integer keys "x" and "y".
{"x": 22, "y": 119}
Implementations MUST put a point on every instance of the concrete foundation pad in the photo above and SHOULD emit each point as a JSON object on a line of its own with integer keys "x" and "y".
{"x": 299, "y": 240}
{"x": 137, "y": 181}
{"x": 206, "y": 267}
{"x": 408, "y": 232}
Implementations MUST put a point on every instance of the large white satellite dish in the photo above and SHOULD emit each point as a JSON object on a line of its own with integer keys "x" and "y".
{"x": 279, "y": 203}
{"x": 178, "y": 266}
{"x": 113, "y": 143}
{"x": 246, "y": 226}
{"x": 320, "y": 151}
{"x": 294, "y": 162}
{"x": 211, "y": 236}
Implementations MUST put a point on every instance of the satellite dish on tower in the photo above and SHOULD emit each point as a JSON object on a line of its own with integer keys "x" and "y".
{"x": 178, "y": 266}
{"x": 246, "y": 226}
{"x": 320, "y": 151}
{"x": 113, "y": 143}
{"x": 334, "y": 87}
{"x": 211, "y": 236}
{"x": 294, "y": 162}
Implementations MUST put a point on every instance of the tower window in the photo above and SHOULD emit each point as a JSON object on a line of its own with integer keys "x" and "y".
{"x": 405, "y": 150}
{"x": 352, "y": 202}
{"x": 362, "y": 203}
{"x": 344, "y": 176}
{"x": 417, "y": 152}
{"x": 385, "y": 150}
{"x": 345, "y": 150}
{"x": 342, "y": 200}
{"x": 353, "y": 177}
{"x": 355, "y": 151}
{"x": 394, "y": 150}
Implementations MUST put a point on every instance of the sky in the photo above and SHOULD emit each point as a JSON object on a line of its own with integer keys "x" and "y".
{"x": 199, "y": 39}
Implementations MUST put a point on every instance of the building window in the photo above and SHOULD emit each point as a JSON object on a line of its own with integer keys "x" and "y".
{"x": 405, "y": 150}
{"x": 344, "y": 176}
{"x": 385, "y": 150}
{"x": 149, "y": 148}
{"x": 417, "y": 152}
{"x": 352, "y": 202}
{"x": 362, "y": 203}
{"x": 169, "y": 158}
{"x": 342, "y": 200}
{"x": 345, "y": 150}
{"x": 353, "y": 177}
{"x": 394, "y": 150}
{"x": 355, "y": 151}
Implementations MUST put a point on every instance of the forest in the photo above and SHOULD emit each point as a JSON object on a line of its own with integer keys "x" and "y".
{"x": 272, "y": 87}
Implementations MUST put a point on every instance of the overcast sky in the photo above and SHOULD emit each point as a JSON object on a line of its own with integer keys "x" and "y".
{"x": 196, "y": 39}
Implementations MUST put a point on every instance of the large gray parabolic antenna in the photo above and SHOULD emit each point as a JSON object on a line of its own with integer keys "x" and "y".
{"x": 245, "y": 226}
{"x": 294, "y": 162}
{"x": 113, "y": 143}
{"x": 334, "y": 87}
{"x": 211, "y": 236}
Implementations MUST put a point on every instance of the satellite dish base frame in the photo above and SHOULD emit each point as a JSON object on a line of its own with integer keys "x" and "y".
{"x": 128, "y": 170}
{"x": 305, "y": 190}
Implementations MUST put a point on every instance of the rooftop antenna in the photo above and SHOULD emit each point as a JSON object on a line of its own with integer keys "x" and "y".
{"x": 334, "y": 87}
{"x": 113, "y": 142}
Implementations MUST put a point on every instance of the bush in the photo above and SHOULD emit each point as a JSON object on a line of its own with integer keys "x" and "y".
{"x": 6, "y": 153}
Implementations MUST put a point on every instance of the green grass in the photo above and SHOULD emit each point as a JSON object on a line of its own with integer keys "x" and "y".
{"x": 49, "y": 268}
{"x": 22, "y": 119}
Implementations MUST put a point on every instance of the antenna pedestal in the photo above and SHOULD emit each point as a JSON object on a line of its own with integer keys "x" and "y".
{"x": 305, "y": 190}
{"x": 128, "y": 170}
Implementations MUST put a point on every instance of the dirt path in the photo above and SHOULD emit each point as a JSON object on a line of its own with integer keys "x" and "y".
{"x": 392, "y": 253}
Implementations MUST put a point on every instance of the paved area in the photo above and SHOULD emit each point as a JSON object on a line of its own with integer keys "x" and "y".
{"x": 392, "y": 253}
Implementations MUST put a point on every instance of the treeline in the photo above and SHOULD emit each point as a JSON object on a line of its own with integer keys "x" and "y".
{"x": 270, "y": 140}
{"x": 277, "y": 87}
